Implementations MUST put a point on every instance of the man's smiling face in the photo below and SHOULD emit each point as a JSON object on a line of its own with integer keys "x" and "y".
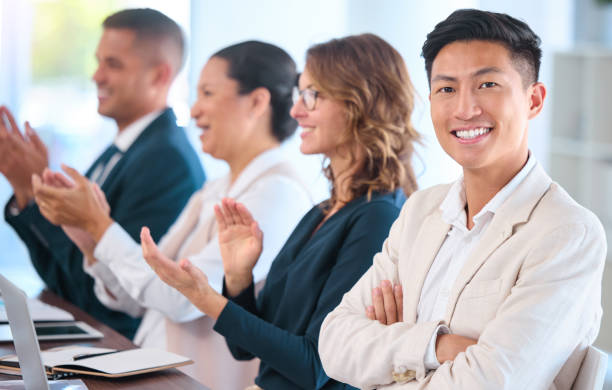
{"x": 480, "y": 106}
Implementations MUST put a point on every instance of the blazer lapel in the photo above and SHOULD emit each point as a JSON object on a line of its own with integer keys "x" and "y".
{"x": 424, "y": 251}
{"x": 156, "y": 129}
{"x": 514, "y": 211}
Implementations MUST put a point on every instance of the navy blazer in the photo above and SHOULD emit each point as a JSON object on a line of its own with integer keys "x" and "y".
{"x": 149, "y": 186}
{"x": 307, "y": 280}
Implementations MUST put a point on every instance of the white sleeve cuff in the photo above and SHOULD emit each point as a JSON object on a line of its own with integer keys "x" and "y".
{"x": 109, "y": 291}
{"x": 128, "y": 274}
{"x": 431, "y": 360}
{"x": 115, "y": 244}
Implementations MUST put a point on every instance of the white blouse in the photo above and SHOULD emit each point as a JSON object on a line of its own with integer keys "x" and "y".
{"x": 272, "y": 191}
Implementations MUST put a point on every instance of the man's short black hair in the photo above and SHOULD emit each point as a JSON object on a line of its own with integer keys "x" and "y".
{"x": 149, "y": 25}
{"x": 471, "y": 24}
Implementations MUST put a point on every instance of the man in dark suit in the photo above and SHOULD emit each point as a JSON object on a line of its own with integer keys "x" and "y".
{"x": 147, "y": 174}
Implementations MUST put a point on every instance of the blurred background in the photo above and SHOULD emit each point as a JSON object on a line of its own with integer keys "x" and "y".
{"x": 47, "y": 59}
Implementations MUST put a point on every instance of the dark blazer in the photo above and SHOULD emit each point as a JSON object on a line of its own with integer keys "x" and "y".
{"x": 149, "y": 186}
{"x": 307, "y": 280}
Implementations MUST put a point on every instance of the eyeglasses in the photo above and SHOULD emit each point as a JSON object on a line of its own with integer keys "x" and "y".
{"x": 309, "y": 97}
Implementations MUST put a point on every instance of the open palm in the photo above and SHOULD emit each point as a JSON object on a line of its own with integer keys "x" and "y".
{"x": 182, "y": 275}
{"x": 240, "y": 239}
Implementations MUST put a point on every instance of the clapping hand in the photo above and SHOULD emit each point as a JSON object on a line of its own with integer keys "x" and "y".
{"x": 81, "y": 238}
{"x": 21, "y": 156}
{"x": 78, "y": 204}
{"x": 240, "y": 242}
{"x": 183, "y": 276}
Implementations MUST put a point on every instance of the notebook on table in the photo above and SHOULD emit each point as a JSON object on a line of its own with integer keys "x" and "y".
{"x": 111, "y": 363}
{"x": 73, "y": 359}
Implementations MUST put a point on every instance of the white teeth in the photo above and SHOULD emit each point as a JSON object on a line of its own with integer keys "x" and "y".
{"x": 307, "y": 129}
{"x": 472, "y": 133}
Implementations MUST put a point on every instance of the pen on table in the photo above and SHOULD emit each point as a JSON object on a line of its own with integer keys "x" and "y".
{"x": 90, "y": 355}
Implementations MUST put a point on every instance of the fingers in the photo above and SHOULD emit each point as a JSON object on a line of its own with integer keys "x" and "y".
{"x": 235, "y": 213}
{"x": 62, "y": 180}
{"x": 3, "y": 129}
{"x": 101, "y": 198}
{"x": 150, "y": 251}
{"x": 370, "y": 313}
{"x": 194, "y": 272}
{"x": 256, "y": 231}
{"x": 36, "y": 183}
{"x": 56, "y": 179}
{"x": 161, "y": 265}
{"x": 43, "y": 204}
{"x": 229, "y": 210}
{"x": 34, "y": 138}
{"x": 399, "y": 302}
{"x": 379, "y": 305}
{"x": 146, "y": 242}
{"x": 48, "y": 177}
{"x": 220, "y": 217}
{"x": 6, "y": 133}
{"x": 245, "y": 214}
{"x": 389, "y": 302}
{"x": 42, "y": 190}
{"x": 14, "y": 128}
{"x": 75, "y": 175}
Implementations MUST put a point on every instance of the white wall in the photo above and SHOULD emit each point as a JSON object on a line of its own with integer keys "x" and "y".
{"x": 15, "y": 43}
{"x": 292, "y": 25}
{"x": 553, "y": 21}
{"x": 295, "y": 26}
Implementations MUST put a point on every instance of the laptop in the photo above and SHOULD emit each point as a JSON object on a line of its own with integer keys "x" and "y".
{"x": 26, "y": 345}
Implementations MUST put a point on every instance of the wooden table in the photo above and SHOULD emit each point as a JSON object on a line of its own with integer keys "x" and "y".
{"x": 167, "y": 379}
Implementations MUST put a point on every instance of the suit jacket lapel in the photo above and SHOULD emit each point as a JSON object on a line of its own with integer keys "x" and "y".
{"x": 514, "y": 211}
{"x": 424, "y": 251}
{"x": 164, "y": 122}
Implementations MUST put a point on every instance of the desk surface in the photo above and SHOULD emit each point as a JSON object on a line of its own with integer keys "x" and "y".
{"x": 167, "y": 379}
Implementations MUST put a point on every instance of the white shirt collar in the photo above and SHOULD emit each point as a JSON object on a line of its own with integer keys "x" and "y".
{"x": 256, "y": 167}
{"x": 453, "y": 206}
{"x": 126, "y": 138}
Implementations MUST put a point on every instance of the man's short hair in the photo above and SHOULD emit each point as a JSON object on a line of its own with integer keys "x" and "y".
{"x": 471, "y": 24}
{"x": 150, "y": 26}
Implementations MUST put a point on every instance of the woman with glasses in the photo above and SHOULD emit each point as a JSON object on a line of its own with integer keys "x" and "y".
{"x": 353, "y": 104}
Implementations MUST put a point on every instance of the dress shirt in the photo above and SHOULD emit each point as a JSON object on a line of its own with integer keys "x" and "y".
{"x": 275, "y": 196}
{"x": 455, "y": 250}
{"x": 123, "y": 140}
{"x": 126, "y": 137}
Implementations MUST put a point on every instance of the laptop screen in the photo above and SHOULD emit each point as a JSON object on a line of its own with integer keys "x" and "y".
{"x": 24, "y": 337}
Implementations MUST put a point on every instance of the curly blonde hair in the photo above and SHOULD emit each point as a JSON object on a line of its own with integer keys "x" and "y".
{"x": 370, "y": 77}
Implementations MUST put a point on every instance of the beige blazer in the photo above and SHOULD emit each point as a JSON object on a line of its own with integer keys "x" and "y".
{"x": 530, "y": 292}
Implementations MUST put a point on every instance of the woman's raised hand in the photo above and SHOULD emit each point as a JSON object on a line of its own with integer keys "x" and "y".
{"x": 241, "y": 243}
{"x": 183, "y": 276}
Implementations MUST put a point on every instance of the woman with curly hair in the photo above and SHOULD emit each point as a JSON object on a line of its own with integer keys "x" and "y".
{"x": 354, "y": 104}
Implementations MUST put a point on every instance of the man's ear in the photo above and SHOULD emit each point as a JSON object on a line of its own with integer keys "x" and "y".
{"x": 162, "y": 74}
{"x": 260, "y": 101}
{"x": 537, "y": 94}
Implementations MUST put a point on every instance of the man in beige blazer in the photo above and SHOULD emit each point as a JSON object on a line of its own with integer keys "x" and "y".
{"x": 493, "y": 281}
